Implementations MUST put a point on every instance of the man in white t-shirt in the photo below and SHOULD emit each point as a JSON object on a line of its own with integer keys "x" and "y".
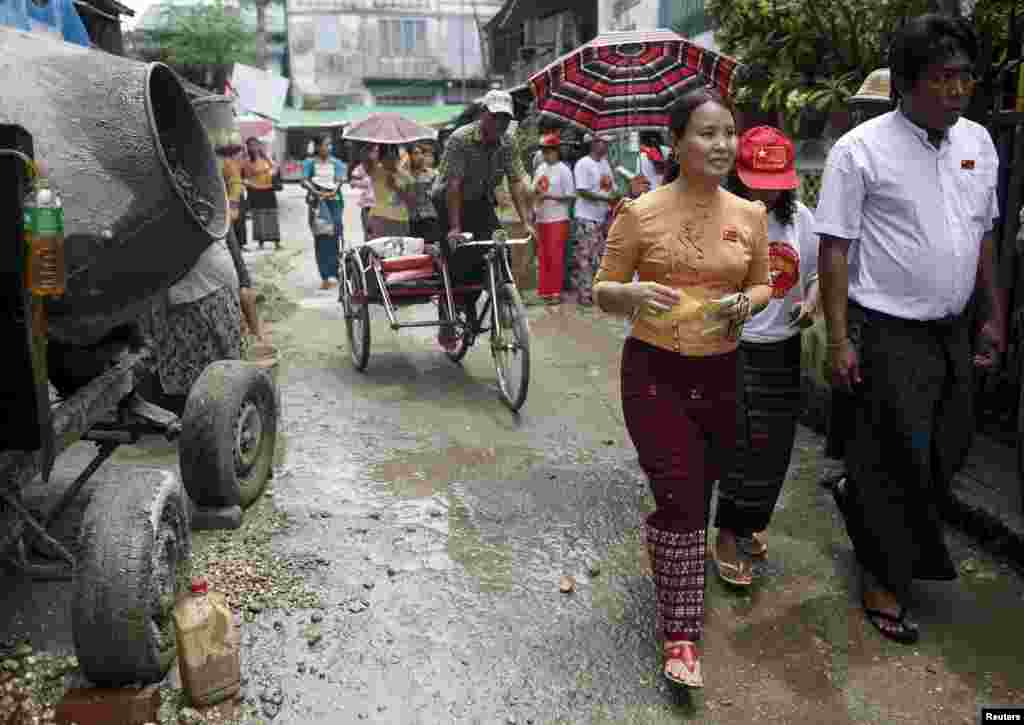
{"x": 554, "y": 190}
{"x": 596, "y": 197}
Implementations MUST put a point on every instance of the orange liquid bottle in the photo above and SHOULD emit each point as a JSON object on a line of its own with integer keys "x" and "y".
{"x": 45, "y": 273}
{"x": 208, "y": 646}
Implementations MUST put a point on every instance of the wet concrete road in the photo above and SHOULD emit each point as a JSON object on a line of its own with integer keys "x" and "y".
{"x": 448, "y": 522}
{"x": 444, "y": 524}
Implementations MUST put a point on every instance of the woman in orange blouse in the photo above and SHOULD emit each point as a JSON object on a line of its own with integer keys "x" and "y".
{"x": 259, "y": 183}
{"x": 701, "y": 257}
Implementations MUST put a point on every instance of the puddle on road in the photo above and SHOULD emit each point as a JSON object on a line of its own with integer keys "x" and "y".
{"x": 430, "y": 472}
{"x": 427, "y": 472}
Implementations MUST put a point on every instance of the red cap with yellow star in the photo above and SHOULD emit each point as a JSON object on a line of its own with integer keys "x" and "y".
{"x": 767, "y": 159}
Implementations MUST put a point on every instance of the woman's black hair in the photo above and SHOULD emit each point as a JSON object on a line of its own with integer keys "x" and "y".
{"x": 248, "y": 151}
{"x": 927, "y": 39}
{"x": 784, "y": 208}
{"x": 679, "y": 118}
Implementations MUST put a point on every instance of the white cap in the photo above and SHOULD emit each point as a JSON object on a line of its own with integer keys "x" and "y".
{"x": 590, "y": 137}
{"x": 498, "y": 102}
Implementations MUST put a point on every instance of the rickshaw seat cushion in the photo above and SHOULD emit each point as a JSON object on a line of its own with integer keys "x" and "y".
{"x": 408, "y": 275}
{"x": 408, "y": 262}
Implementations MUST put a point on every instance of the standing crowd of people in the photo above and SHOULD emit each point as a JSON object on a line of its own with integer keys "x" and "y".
{"x": 399, "y": 192}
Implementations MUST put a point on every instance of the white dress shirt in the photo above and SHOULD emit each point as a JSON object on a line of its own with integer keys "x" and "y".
{"x": 915, "y": 214}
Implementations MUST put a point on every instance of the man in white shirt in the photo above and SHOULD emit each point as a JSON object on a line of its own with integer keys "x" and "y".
{"x": 554, "y": 191}
{"x": 905, "y": 216}
{"x": 596, "y": 196}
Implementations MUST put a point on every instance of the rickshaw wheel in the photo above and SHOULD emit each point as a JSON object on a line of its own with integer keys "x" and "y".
{"x": 133, "y": 563}
{"x": 229, "y": 435}
{"x": 357, "y": 321}
{"x": 511, "y": 351}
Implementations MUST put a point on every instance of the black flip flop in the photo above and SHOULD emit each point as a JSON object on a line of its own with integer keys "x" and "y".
{"x": 907, "y": 634}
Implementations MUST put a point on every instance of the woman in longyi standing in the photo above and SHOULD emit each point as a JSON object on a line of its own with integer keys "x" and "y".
{"x": 322, "y": 177}
{"x": 699, "y": 250}
{"x": 361, "y": 179}
{"x": 770, "y": 353}
{"x": 258, "y": 175}
{"x": 394, "y": 194}
{"x": 425, "y": 224}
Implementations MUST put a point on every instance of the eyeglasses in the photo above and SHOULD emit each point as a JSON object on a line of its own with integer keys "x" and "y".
{"x": 953, "y": 82}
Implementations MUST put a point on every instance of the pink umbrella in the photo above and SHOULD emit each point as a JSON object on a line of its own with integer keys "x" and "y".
{"x": 388, "y": 128}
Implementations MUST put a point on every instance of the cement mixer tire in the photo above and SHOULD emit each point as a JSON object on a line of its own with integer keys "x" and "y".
{"x": 228, "y": 435}
{"x": 133, "y": 563}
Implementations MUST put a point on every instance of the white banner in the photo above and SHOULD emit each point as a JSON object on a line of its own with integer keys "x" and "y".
{"x": 259, "y": 91}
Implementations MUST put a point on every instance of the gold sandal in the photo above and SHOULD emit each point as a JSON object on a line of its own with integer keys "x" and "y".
{"x": 684, "y": 653}
{"x": 738, "y": 574}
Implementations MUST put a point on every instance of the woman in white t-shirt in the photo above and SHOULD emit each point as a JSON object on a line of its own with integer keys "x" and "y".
{"x": 554, "y": 190}
{"x": 770, "y": 345}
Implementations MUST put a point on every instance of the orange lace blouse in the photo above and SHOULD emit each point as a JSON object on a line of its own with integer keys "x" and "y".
{"x": 706, "y": 246}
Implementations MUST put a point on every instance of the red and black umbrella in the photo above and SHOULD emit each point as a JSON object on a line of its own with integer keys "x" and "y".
{"x": 628, "y": 80}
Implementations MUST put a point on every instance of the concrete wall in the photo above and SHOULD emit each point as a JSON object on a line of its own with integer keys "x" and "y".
{"x": 336, "y": 44}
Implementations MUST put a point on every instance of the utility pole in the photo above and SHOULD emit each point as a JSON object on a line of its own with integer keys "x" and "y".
{"x": 262, "y": 42}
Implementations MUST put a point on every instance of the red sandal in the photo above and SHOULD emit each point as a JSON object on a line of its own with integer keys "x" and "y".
{"x": 681, "y": 652}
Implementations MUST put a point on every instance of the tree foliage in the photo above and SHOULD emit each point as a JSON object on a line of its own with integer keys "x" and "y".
{"x": 207, "y": 34}
{"x": 805, "y": 55}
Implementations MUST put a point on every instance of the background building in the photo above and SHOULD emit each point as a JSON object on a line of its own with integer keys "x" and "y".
{"x": 526, "y": 35}
{"x": 685, "y": 16}
{"x": 387, "y": 52}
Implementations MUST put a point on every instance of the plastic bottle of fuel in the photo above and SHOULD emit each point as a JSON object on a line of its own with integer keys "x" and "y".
{"x": 45, "y": 273}
{"x": 208, "y": 646}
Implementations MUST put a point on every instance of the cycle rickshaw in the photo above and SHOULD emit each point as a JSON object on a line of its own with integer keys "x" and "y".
{"x": 471, "y": 285}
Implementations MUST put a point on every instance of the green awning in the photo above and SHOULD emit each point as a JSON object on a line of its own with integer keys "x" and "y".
{"x": 404, "y": 90}
{"x": 297, "y": 118}
{"x": 434, "y": 115}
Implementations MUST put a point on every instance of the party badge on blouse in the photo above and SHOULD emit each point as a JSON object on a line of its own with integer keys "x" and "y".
{"x": 967, "y": 164}
{"x": 730, "y": 234}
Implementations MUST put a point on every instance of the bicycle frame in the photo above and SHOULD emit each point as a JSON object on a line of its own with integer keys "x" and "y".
{"x": 499, "y": 271}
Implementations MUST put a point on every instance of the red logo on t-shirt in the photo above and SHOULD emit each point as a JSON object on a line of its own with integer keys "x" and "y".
{"x": 543, "y": 184}
{"x": 784, "y": 266}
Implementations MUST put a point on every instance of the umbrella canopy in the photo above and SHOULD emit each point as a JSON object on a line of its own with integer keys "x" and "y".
{"x": 388, "y": 128}
{"x": 627, "y": 80}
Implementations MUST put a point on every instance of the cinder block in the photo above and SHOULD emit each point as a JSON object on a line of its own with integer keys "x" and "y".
{"x": 102, "y": 706}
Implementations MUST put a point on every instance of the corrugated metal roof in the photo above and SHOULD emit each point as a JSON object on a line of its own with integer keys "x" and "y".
{"x": 436, "y": 115}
